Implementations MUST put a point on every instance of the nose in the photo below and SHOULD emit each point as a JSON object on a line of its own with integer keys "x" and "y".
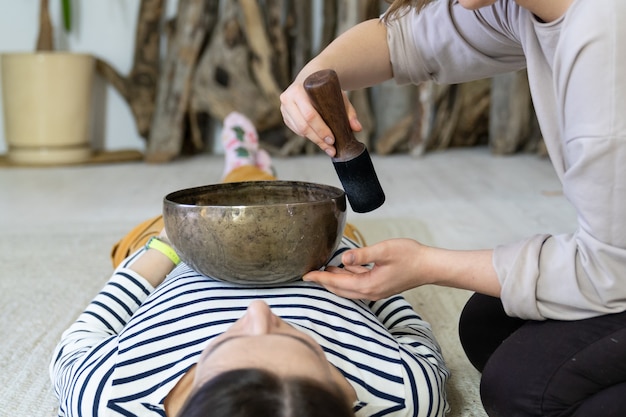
{"x": 259, "y": 318}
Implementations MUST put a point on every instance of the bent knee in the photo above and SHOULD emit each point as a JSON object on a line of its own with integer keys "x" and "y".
{"x": 508, "y": 391}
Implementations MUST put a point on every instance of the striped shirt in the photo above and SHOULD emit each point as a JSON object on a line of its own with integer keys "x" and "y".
{"x": 133, "y": 343}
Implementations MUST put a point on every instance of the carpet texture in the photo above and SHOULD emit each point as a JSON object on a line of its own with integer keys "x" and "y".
{"x": 58, "y": 226}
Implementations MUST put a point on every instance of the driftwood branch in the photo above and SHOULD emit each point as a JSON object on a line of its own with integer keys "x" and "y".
{"x": 227, "y": 79}
{"x": 300, "y": 30}
{"x": 139, "y": 88}
{"x": 395, "y": 113}
{"x": 329, "y": 22}
{"x": 395, "y": 137}
{"x": 278, "y": 41}
{"x": 166, "y": 133}
{"x": 260, "y": 49}
{"x": 45, "y": 39}
{"x": 511, "y": 112}
{"x": 233, "y": 55}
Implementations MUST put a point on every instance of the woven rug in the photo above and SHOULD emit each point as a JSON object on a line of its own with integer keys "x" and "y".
{"x": 58, "y": 225}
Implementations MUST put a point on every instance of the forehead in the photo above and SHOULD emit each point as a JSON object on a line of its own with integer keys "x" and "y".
{"x": 248, "y": 343}
{"x": 283, "y": 355}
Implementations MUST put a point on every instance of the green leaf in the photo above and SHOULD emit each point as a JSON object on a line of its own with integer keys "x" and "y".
{"x": 66, "y": 8}
{"x": 242, "y": 152}
{"x": 239, "y": 133}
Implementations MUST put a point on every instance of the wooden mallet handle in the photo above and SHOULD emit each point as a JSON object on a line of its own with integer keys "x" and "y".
{"x": 325, "y": 93}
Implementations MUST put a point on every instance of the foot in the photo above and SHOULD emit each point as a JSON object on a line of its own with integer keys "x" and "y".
{"x": 240, "y": 141}
{"x": 241, "y": 145}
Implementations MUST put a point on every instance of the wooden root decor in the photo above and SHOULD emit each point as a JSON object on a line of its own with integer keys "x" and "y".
{"x": 238, "y": 55}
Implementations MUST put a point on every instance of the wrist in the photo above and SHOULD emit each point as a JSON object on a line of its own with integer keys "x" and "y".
{"x": 464, "y": 269}
{"x": 162, "y": 245}
{"x": 153, "y": 266}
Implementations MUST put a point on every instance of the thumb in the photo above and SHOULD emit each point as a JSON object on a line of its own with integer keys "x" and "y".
{"x": 359, "y": 256}
{"x": 355, "y": 124}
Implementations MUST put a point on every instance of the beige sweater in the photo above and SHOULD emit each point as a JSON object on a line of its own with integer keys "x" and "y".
{"x": 577, "y": 73}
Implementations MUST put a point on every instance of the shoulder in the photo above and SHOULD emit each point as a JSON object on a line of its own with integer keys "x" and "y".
{"x": 93, "y": 375}
{"x": 449, "y": 44}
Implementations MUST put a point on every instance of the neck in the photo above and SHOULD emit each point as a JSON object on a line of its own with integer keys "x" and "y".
{"x": 547, "y": 11}
{"x": 178, "y": 395}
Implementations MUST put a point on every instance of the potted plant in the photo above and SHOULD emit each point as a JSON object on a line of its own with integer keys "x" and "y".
{"x": 47, "y": 97}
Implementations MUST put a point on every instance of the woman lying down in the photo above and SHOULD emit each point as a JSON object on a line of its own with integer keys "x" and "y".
{"x": 162, "y": 340}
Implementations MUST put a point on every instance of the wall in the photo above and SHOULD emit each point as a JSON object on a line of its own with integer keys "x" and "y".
{"x": 104, "y": 28}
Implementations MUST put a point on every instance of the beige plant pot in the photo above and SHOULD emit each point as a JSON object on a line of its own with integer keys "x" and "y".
{"x": 47, "y": 102}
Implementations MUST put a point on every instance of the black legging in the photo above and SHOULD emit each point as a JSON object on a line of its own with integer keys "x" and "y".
{"x": 546, "y": 368}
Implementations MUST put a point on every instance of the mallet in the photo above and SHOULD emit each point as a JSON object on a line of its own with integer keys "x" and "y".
{"x": 352, "y": 161}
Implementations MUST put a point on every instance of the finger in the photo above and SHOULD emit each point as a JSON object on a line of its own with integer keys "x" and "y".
{"x": 359, "y": 256}
{"x": 319, "y": 128}
{"x": 297, "y": 124}
{"x": 350, "y": 269}
{"x": 341, "y": 285}
{"x": 301, "y": 117}
{"x": 335, "y": 269}
{"x": 301, "y": 127}
{"x": 298, "y": 130}
{"x": 353, "y": 119}
{"x": 356, "y": 269}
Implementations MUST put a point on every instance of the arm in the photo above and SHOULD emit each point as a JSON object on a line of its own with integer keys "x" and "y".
{"x": 88, "y": 341}
{"x": 402, "y": 264}
{"x": 153, "y": 266}
{"x": 425, "y": 369}
{"x": 443, "y": 43}
{"x": 360, "y": 57}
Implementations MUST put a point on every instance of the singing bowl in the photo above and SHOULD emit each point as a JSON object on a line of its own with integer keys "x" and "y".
{"x": 258, "y": 232}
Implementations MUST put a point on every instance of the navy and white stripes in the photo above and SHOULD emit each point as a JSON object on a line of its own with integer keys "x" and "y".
{"x": 132, "y": 344}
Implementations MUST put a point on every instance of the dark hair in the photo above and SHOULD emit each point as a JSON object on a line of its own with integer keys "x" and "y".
{"x": 260, "y": 393}
{"x": 399, "y": 7}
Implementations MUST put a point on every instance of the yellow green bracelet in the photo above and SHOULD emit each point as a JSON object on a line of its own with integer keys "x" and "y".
{"x": 164, "y": 248}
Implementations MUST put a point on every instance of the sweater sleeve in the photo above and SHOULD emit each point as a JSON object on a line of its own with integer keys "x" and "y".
{"x": 449, "y": 44}
{"x": 87, "y": 346}
{"x": 425, "y": 368}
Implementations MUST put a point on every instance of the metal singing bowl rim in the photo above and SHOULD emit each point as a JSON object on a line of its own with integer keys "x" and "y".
{"x": 200, "y": 196}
